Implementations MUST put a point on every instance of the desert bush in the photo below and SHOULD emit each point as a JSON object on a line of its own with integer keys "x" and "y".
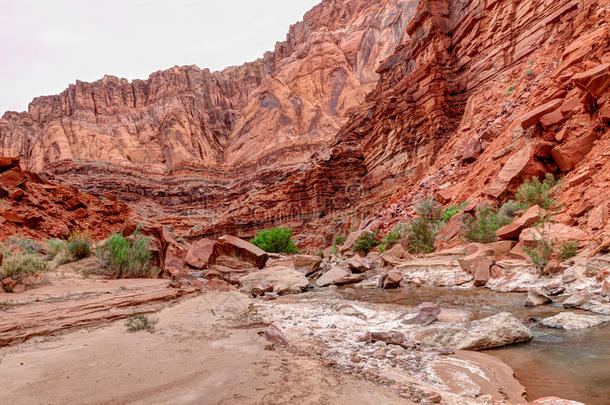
{"x": 124, "y": 258}
{"x": 567, "y": 250}
{"x": 535, "y": 192}
{"x": 421, "y": 234}
{"x": 23, "y": 244}
{"x": 390, "y": 239}
{"x": 366, "y": 242}
{"x": 429, "y": 208}
{"x": 540, "y": 253}
{"x": 482, "y": 226}
{"x": 21, "y": 264}
{"x": 79, "y": 244}
{"x": 139, "y": 322}
{"x": 56, "y": 247}
{"x": 510, "y": 208}
{"x": 276, "y": 240}
{"x": 320, "y": 254}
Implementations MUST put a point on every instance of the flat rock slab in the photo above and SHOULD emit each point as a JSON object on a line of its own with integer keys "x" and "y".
{"x": 40, "y": 319}
{"x": 573, "y": 321}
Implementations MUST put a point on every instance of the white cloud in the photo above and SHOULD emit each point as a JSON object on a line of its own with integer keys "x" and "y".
{"x": 47, "y": 44}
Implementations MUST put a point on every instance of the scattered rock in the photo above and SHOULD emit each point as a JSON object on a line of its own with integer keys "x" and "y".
{"x": 424, "y": 314}
{"x": 535, "y": 298}
{"x": 275, "y": 336}
{"x": 576, "y": 300}
{"x": 391, "y": 338}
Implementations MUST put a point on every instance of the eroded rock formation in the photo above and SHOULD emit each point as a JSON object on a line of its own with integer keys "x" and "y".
{"x": 366, "y": 107}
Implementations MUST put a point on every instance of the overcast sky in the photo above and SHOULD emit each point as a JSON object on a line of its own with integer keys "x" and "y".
{"x": 47, "y": 44}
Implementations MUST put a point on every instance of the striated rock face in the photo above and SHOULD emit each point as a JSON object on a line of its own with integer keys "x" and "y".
{"x": 366, "y": 107}
{"x": 188, "y": 140}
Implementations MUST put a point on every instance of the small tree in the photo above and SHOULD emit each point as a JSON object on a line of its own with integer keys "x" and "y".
{"x": 535, "y": 192}
{"x": 276, "y": 240}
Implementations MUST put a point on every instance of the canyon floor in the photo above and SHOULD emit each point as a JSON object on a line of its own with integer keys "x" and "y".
{"x": 65, "y": 342}
{"x": 197, "y": 354}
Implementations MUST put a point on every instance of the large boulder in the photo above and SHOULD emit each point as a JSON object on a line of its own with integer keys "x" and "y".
{"x": 283, "y": 280}
{"x": 201, "y": 254}
{"x": 12, "y": 178}
{"x": 529, "y": 218}
{"x": 595, "y": 81}
{"x": 359, "y": 264}
{"x": 306, "y": 264}
{"x": 395, "y": 255}
{"x": 232, "y": 246}
{"x": 556, "y": 232}
{"x": 338, "y": 276}
{"x": 389, "y": 280}
{"x": 572, "y": 321}
{"x": 532, "y": 117}
{"x": 478, "y": 264}
{"x": 495, "y": 331}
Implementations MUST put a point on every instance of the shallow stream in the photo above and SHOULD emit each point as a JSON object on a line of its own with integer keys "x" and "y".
{"x": 568, "y": 364}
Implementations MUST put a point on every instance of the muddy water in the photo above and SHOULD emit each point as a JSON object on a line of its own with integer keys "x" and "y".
{"x": 569, "y": 364}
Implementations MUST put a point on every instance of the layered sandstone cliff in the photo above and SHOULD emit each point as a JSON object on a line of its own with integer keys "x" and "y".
{"x": 187, "y": 136}
{"x": 366, "y": 107}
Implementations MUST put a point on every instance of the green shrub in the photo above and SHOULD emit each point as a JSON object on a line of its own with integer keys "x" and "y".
{"x": 127, "y": 259}
{"x": 320, "y": 254}
{"x": 139, "y": 322}
{"x": 276, "y": 240}
{"x": 510, "y": 90}
{"x": 535, "y": 192}
{"x": 482, "y": 226}
{"x": 451, "y": 211}
{"x": 21, "y": 264}
{"x": 568, "y": 250}
{"x": 366, "y": 242}
{"x": 79, "y": 244}
{"x": 333, "y": 250}
{"x": 390, "y": 239}
{"x": 340, "y": 240}
{"x": 529, "y": 73}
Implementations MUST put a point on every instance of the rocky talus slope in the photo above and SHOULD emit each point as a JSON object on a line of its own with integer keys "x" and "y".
{"x": 366, "y": 107}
